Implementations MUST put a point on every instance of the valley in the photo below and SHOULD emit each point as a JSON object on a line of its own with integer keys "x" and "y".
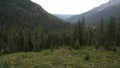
{"x": 31, "y": 37}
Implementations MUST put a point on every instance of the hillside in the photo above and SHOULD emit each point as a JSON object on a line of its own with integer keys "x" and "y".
{"x": 63, "y": 58}
{"x": 103, "y": 11}
{"x": 23, "y": 24}
{"x": 27, "y": 13}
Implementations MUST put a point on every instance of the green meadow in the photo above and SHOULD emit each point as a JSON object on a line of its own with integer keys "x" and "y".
{"x": 63, "y": 57}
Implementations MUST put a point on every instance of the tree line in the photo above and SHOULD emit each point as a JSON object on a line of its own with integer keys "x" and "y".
{"x": 105, "y": 34}
{"x": 14, "y": 38}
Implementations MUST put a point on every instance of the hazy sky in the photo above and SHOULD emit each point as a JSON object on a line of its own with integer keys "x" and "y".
{"x": 69, "y": 6}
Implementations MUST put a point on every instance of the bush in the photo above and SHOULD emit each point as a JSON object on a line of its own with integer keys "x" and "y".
{"x": 87, "y": 57}
{"x": 70, "y": 48}
{"x": 5, "y": 65}
{"x": 51, "y": 50}
{"x": 97, "y": 47}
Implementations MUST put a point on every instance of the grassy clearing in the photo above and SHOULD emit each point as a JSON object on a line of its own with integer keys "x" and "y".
{"x": 86, "y": 57}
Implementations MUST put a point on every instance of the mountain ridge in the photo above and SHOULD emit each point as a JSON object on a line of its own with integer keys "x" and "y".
{"x": 97, "y": 11}
{"x": 27, "y": 12}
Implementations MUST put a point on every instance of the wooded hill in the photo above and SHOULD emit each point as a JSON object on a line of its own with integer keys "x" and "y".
{"x": 23, "y": 20}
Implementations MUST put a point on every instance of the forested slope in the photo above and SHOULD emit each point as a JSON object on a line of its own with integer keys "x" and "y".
{"x": 23, "y": 23}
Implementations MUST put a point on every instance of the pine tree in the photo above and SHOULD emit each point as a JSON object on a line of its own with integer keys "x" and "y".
{"x": 83, "y": 31}
{"x": 2, "y": 47}
{"x": 111, "y": 34}
{"x": 11, "y": 42}
{"x": 118, "y": 35}
{"x": 89, "y": 35}
{"x": 38, "y": 39}
{"x": 77, "y": 33}
{"x": 77, "y": 44}
{"x": 100, "y": 34}
{"x": 26, "y": 43}
{"x": 52, "y": 40}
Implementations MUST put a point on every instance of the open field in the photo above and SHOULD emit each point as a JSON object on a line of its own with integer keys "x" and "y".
{"x": 86, "y": 57}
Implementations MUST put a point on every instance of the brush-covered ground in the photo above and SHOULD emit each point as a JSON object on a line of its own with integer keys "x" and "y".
{"x": 63, "y": 57}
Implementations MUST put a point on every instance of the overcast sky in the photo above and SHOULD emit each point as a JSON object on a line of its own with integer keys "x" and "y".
{"x": 69, "y": 6}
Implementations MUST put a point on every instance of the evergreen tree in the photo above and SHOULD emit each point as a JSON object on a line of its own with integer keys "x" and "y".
{"x": 118, "y": 35}
{"x": 52, "y": 40}
{"x": 83, "y": 31}
{"x": 77, "y": 33}
{"x": 2, "y": 47}
{"x": 26, "y": 43}
{"x": 38, "y": 39}
{"x": 89, "y": 35}
{"x": 77, "y": 44}
{"x": 11, "y": 41}
{"x": 100, "y": 36}
{"x": 111, "y": 34}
